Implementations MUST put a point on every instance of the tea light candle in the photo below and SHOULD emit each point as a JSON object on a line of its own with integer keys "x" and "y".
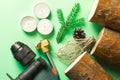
{"x": 28, "y": 24}
{"x": 42, "y": 10}
{"x": 45, "y": 27}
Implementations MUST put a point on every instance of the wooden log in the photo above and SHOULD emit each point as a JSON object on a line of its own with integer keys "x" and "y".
{"x": 107, "y": 46}
{"x": 85, "y": 68}
{"x": 106, "y": 13}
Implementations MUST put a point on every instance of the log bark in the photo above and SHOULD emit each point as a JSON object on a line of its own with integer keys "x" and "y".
{"x": 85, "y": 68}
{"x": 106, "y": 13}
{"x": 107, "y": 46}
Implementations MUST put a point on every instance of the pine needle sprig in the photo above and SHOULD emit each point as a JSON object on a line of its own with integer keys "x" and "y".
{"x": 73, "y": 14}
{"x": 60, "y": 17}
{"x": 60, "y": 33}
{"x": 69, "y": 22}
{"x": 78, "y": 22}
{"x": 63, "y": 27}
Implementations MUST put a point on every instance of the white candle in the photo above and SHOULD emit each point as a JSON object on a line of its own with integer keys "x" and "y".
{"x": 28, "y": 24}
{"x": 45, "y": 27}
{"x": 42, "y": 10}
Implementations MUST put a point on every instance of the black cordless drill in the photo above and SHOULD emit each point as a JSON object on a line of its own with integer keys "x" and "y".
{"x": 38, "y": 69}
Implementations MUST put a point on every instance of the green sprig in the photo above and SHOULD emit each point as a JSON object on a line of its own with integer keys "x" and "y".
{"x": 60, "y": 17}
{"x": 77, "y": 22}
{"x": 70, "y": 22}
{"x": 60, "y": 33}
{"x": 73, "y": 14}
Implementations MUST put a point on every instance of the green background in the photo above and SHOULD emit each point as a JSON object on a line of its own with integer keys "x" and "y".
{"x": 12, "y": 11}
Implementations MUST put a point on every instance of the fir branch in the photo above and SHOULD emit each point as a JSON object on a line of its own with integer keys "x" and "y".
{"x": 62, "y": 28}
{"x": 60, "y": 33}
{"x": 78, "y": 22}
{"x": 60, "y": 17}
{"x": 73, "y": 14}
{"x": 70, "y": 20}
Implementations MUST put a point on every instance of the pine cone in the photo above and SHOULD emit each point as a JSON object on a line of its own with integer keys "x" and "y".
{"x": 79, "y": 34}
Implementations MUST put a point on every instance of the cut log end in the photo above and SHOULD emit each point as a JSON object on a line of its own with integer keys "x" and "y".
{"x": 86, "y": 68}
{"x": 107, "y": 47}
{"x": 94, "y": 7}
{"x": 106, "y": 13}
{"x": 75, "y": 62}
{"x": 98, "y": 41}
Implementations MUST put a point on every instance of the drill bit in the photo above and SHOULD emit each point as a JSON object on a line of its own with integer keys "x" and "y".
{"x": 54, "y": 70}
{"x": 43, "y": 45}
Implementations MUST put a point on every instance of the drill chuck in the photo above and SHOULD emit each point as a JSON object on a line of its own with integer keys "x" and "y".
{"x": 22, "y": 53}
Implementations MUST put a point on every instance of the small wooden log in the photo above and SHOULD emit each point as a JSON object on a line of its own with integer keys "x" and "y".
{"x": 106, "y": 13}
{"x": 107, "y": 46}
{"x": 85, "y": 68}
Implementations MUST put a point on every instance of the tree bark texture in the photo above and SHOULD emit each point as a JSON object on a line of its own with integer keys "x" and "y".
{"x": 108, "y": 14}
{"x": 107, "y": 46}
{"x": 87, "y": 69}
